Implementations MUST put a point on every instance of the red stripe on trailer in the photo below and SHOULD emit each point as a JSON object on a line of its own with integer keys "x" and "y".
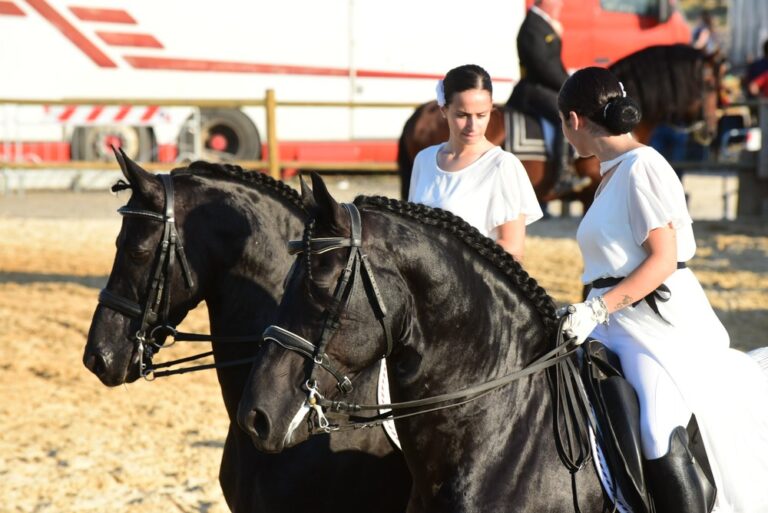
{"x": 95, "y": 112}
{"x": 384, "y": 150}
{"x": 124, "y": 110}
{"x": 127, "y": 39}
{"x": 67, "y": 113}
{"x": 165, "y": 63}
{"x": 46, "y": 151}
{"x": 368, "y": 73}
{"x": 103, "y": 15}
{"x": 150, "y": 112}
{"x": 174, "y": 64}
{"x": 10, "y": 9}
{"x": 71, "y": 33}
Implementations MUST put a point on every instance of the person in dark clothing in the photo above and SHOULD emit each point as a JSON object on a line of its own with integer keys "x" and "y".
{"x": 756, "y": 69}
{"x": 539, "y": 48}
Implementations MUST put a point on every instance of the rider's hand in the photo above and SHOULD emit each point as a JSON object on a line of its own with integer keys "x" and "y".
{"x": 582, "y": 318}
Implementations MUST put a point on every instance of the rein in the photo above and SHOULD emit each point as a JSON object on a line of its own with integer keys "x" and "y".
{"x": 151, "y": 335}
{"x": 357, "y": 263}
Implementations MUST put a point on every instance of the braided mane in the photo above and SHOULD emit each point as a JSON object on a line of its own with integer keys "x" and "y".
{"x": 260, "y": 180}
{"x": 663, "y": 79}
{"x": 484, "y": 246}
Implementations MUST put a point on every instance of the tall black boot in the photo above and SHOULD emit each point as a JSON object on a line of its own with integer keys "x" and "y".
{"x": 676, "y": 480}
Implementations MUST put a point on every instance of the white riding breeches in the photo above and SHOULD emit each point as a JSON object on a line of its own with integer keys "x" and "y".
{"x": 662, "y": 408}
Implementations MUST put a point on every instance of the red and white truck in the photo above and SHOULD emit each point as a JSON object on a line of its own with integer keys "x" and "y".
{"x": 305, "y": 50}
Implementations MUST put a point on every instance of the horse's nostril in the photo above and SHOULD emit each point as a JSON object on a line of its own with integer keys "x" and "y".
{"x": 95, "y": 363}
{"x": 260, "y": 423}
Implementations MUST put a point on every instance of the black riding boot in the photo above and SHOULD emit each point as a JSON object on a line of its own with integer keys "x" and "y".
{"x": 676, "y": 480}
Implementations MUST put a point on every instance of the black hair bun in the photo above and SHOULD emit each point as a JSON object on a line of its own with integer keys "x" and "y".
{"x": 621, "y": 115}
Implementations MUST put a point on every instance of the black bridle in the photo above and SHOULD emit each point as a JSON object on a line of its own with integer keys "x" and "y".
{"x": 357, "y": 264}
{"x": 155, "y": 327}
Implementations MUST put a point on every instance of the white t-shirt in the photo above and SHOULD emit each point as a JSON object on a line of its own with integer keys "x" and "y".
{"x": 491, "y": 191}
{"x": 642, "y": 193}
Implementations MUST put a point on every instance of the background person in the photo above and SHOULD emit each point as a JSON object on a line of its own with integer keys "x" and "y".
{"x": 542, "y": 72}
{"x": 468, "y": 175}
{"x": 704, "y": 37}
{"x": 755, "y": 70}
{"x": 650, "y": 309}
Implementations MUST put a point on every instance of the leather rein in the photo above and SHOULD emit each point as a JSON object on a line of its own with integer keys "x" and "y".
{"x": 155, "y": 328}
{"x": 357, "y": 264}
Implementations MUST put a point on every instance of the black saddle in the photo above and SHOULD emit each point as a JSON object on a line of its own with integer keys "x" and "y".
{"x": 617, "y": 418}
{"x": 617, "y": 415}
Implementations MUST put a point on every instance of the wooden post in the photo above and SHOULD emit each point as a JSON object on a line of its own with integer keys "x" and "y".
{"x": 274, "y": 157}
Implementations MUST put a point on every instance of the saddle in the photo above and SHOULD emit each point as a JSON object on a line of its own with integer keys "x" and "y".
{"x": 617, "y": 418}
{"x": 525, "y": 136}
{"x": 617, "y": 430}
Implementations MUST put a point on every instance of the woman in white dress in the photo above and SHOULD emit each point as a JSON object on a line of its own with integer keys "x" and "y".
{"x": 468, "y": 175}
{"x": 649, "y": 308}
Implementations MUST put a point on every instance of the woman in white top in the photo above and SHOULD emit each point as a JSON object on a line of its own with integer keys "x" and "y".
{"x": 649, "y": 308}
{"x": 467, "y": 175}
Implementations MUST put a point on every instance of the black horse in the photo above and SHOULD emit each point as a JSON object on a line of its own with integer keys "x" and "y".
{"x": 451, "y": 310}
{"x": 233, "y": 226}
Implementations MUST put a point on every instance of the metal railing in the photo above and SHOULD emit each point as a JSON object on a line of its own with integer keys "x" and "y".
{"x": 272, "y": 163}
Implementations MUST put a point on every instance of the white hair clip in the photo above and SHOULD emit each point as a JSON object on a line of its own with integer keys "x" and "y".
{"x": 440, "y": 93}
{"x": 623, "y": 95}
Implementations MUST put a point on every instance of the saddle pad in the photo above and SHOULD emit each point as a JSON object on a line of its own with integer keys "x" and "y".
{"x": 383, "y": 397}
{"x": 524, "y": 136}
{"x": 601, "y": 467}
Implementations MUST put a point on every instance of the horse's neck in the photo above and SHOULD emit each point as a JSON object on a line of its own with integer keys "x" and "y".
{"x": 467, "y": 323}
{"x": 251, "y": 287}
{"x": 465, "y": 309}
{"x": 242, "y": 300}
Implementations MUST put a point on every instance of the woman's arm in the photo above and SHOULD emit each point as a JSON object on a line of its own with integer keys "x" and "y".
{"x": 512, "y": 237}
{"x": 661, "y": 245}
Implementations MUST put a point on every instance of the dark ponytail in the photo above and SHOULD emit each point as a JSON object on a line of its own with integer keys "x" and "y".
{"x": 597, "y": 94}
{"x": 464, "y": 78}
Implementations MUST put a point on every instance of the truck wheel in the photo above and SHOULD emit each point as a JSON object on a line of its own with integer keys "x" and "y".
{"x": 225, "y": 135}
{"x": 93, "y": 143}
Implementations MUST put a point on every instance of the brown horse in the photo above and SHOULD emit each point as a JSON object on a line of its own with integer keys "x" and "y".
{"x": 673, "y": 84}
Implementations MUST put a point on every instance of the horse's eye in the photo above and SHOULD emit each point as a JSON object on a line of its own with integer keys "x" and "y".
{"x": 138, "y": 255}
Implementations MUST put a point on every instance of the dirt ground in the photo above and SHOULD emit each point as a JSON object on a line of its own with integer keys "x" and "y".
{"x": 69, "y": 444}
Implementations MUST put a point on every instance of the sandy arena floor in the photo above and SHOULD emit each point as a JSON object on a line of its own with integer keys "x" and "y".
{"x": 71, "y": 445}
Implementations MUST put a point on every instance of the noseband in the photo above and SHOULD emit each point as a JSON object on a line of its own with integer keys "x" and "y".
{"x": 357, "y": 265}
{"x": 148, "y": 337}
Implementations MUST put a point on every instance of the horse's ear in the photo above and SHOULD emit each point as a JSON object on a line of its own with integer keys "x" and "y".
{"x": 307, "y": 197}
{"x": 328, "y": 210}
{"x": 142, "y": 182}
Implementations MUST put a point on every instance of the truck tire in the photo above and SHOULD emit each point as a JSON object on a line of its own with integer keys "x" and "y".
{"x": 93, "y": 143}
{"x": 225, "y": 134}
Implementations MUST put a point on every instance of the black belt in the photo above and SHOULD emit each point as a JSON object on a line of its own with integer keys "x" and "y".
{"x": 662, "y": 293}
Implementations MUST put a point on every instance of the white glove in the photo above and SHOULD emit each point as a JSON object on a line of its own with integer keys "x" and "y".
{"x": 582, "y": 318}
